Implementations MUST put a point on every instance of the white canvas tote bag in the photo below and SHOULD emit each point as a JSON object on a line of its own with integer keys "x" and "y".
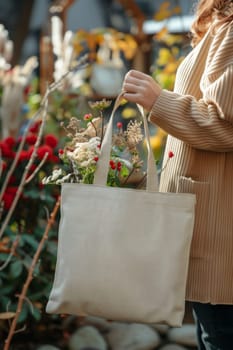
{"x": 123, "y": 253}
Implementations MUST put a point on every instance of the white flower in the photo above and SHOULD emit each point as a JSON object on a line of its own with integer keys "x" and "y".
{"x": 55, "y": 175}
{"x": 94, "y": 143}
{"x": 63, "y": 179}
{"x": 45, "y": 180}
{"x": 85, "y": 152}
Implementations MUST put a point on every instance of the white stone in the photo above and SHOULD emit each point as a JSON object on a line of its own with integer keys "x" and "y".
{"x": 87, "y": 337}
{"x": 161, "y": 328}
{"x": 133, "y": 337}
{"x": 100, "y": 323}
{"x": 172, "y": 347}
{"x": 185, "y": 335}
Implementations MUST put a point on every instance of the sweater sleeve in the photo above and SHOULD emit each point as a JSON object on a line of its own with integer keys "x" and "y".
{"x": 204, "y": 124}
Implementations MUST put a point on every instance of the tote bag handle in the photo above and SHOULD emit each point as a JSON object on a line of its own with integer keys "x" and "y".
{"x": 101, "y": 173}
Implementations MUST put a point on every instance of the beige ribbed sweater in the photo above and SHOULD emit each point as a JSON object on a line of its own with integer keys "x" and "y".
{"x": 199, "y": 116}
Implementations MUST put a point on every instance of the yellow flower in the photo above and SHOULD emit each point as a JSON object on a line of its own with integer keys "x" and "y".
{"x": 129, "y": 113}
{"x": 164, "y": 57}
{"x": 161, "y": 35}
{"x": 163, "y": 12}
{"x": 156, "y": 142}
{"x": 171, "y": 67}
{"x": 161, "y": 133}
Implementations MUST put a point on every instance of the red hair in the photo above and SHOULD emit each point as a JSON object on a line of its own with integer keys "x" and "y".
{"x": 206, "y": 12}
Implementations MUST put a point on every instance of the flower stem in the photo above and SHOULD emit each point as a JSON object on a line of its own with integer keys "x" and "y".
{"x": 29, "y": 278}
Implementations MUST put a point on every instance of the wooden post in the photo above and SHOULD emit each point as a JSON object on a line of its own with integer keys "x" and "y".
{"x": 58, "y": 8}
{"x": 141, "y": 60}
{"x": 21, "y": 30}
{"x": 46, "y": 62}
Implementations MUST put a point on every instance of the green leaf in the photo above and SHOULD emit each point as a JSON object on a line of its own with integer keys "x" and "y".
{"x": 117, "y": 182}
{"x": 4, "y": 276}
{"x": 46, "y": 196}
{"x": 5, "y": 301}
{"x": 37, "y": 269}
{"x": 43, "y": 292}
{"x": 30, "y": 240}
{"x": 36, "y": 313}
{"x": 8, "y": 231}
{"x": 124, "y": 171}
{"x": 24, "y": 313}
{"x": 32, "y": 194}
{"x": 27, "y": 261}
{"x": 6, "y": 290}
{"x": 16, "y": 268}
{"x": 3, "y": 256}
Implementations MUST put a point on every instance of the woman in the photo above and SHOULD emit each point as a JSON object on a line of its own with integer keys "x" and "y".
{"x": 198, "y": 116}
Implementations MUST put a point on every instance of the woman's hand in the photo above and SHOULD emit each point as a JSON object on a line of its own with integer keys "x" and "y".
{"x": 141, "y": 88}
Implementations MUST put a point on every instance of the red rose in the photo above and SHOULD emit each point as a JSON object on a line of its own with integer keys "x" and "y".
{"x": 4, "y": 165}
{"x": 6, "y": 151}
{"x": 119, "y": 166}
{"x": 9, "y": 196}
{"x": 30, "y": 150}
{"x": 42, "y": 150}
{"x": 11, "y": 190}
{"x": 7, "y": 199}
{"x": 32, "y": 168}
{"x": 88, "y": 116}
{"x": 170, "y": 154}
{"x": 112, "y": 165}
{"x": 50, "y": 140}
{"x": 35, "y": 127}
{"x": 31, "y": 139}
{"x": 10, "y": 141}
{"x": 54, "y": 159}
{"x": 24, "y": 155}
{"x": 12, "y": 180}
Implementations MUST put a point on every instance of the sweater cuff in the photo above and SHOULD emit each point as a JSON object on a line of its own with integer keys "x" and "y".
{"x": 161, "y": 106}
